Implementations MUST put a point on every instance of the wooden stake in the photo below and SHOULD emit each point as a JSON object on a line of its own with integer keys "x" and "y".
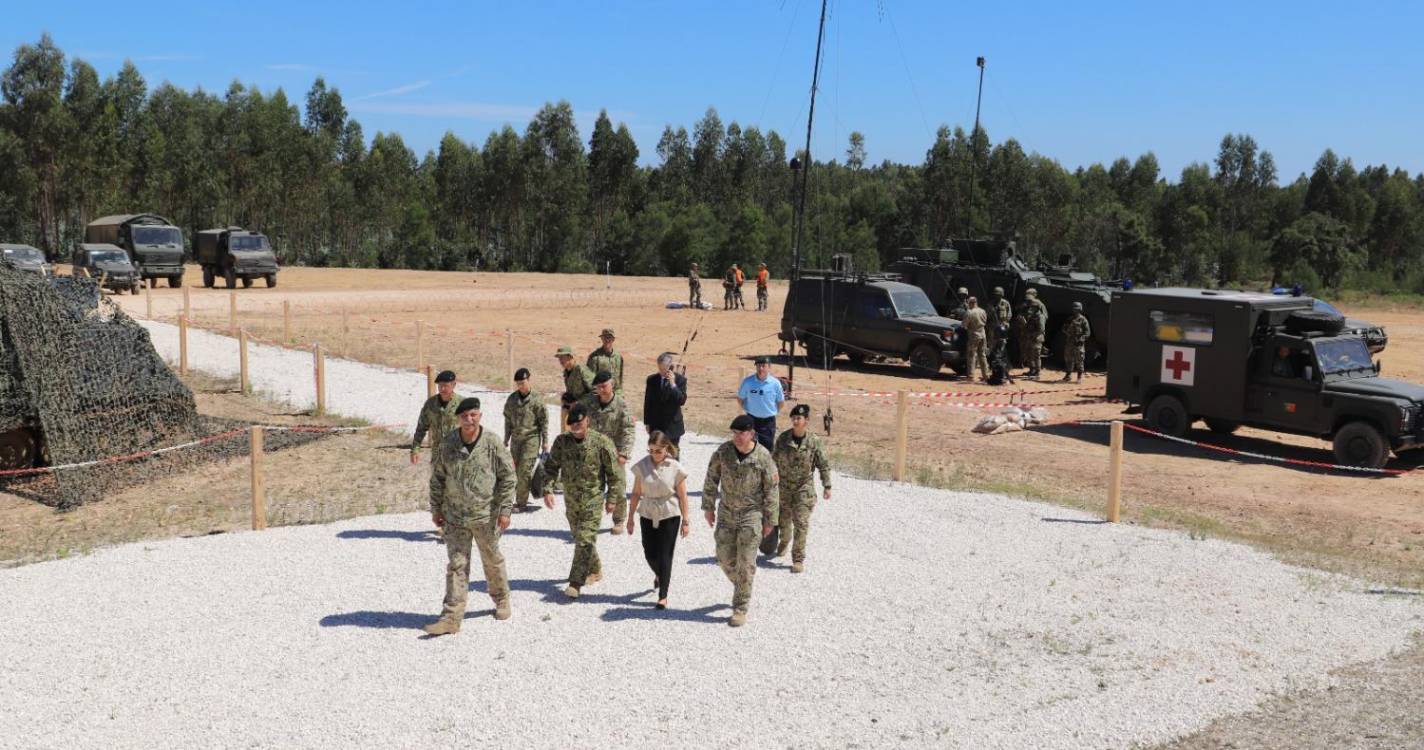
{"x": 148, "y": 304}
{"x": 243, "y": 379}
{"x": 1115, "y": 471}
{"x": 419, "y": 345}
{"x": 319, "y": 371}
{"x": 429, "y": 381}
{"x": 259, "y": 491}
{"x": 902, "y": 433}
{"x": 286, "y": 321}
{"x": 232, "y": 311}
{"x": 187, "y": 304}
{"x": 182, "y": 345}
{"x": 509, "y": 355}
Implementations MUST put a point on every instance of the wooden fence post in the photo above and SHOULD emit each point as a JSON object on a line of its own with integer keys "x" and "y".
{"x": 259, "y": 492}
{"x": 187, "y": 304}
{"x": 509, "y": 355}
{"x": 429, "y": 381}
{"x": 286, "y": 321}
{"x": 243, "y": 379}
{"x": 232, "y": 312}
{"x": 319, "y": 371}
{"x": 183, "y": 345}
{"x": 148, "y": 305}
{"x": 419, "y": 345}
{"x": 1115, "y": 471}
{"x": 902, "y": 433}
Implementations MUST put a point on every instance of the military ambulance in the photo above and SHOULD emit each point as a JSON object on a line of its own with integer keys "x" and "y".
{"x": 1262, "y": 360}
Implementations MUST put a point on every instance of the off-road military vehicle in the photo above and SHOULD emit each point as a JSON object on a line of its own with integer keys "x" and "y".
{"x": 866, "y": 317}
{"x": 1375, "y": 336}
{"x": 234, "y": 253}
{"x": 1261, "y": 360}
{"x": 25, "y": 258}
{"x": 107, "y": 264}
{"x": 981, "y": 265}
{"x": 153, "y": 243}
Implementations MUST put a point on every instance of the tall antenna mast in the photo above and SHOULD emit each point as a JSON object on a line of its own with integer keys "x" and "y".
{"x": 805, "y": 168}
{"x": 974, "y": 152}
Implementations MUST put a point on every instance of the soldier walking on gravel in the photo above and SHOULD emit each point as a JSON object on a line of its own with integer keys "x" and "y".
{"x": 799, "y": 455}
{"x": 578, "y": 381}
{"x": 975, "y": 321}
{"x": 471, "y": 497}
{"x": 762, "y": 278}
{"x": 587, "y": 463}
{"x": 694, "y": 288}
{"x": 1035, "y": 325}
{"x": 1076, "y": 332}
{"x": 608, "y": 415}
{"x": 742, "y": 475}
{"x": 604, "y": 359}
{"x": 437, "y": 415}
{"x": 526, "y": 432}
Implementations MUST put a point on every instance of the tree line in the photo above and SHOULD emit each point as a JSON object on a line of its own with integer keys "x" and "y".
{"x": 74, "y": 147}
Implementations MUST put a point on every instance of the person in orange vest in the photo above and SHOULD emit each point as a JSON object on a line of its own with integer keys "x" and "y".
{"x": 761, "y": 280}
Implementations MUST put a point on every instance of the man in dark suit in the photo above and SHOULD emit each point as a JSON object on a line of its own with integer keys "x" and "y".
{"x": 663, "y": 400}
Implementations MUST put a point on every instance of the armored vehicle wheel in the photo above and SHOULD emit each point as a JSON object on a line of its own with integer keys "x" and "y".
{"x": 134, "y": 289}
{"x": 1167, "y": 415}
{"x": 175, "y": 281}
{"x": 1221, "y": 426}
{"x": 924, "y": 360}
{"x": 1360, "y": 444}
{"x": 207, "y": 277}
{"x": 1305, "y": 321}
{"x": 246, "y": 282}
{"x": 271, "y": 280}
{"x": 17, "y": 449}
{"x": 230, "y": 279}
{"x": 817, "y": 353}
{"x": 856, "y": 357}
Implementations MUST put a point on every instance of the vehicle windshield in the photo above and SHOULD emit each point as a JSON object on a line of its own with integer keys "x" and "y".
{"x": 1342, "y": 355}
{"x": 248, "y": 242}
{"x": 24, "y": 253}
{"x": 157, "y": 236}
{"x": 108, "y": 256}
{"x": 912, "y": 304}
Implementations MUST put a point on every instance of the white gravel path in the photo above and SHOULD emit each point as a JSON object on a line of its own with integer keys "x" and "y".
{"x": 926, "y": 618}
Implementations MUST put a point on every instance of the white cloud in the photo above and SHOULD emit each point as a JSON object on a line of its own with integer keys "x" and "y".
{"x": 397, "y": 91}
{"x": 480, "y": 111}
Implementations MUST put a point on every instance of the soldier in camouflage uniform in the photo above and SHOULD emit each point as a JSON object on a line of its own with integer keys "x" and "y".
{"x": 975, "y": 321}
{"x": 608, "y": 415}
{"x": 604, "y": 359}
{"x": 961, "y": 294}
{"x": 526, "y": 432}
{"x": 437, "y": 415}
{"x": 1075, "y": 333}
{"x": 588, "y": 465}
{"x": 743, "y": 474}
{"x": 694, "y": 288}
{"x": 578, "y": 381}
{"x": 1000, "y": 311}
{"x": 1035, "y": 325}
{"x": 471, "y": 497}
{"x": 799, "y": 455}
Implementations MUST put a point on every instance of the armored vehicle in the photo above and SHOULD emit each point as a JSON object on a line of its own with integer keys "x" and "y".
{"x": 25, "y": 258}
{"x": 869, "y": 316}
{"x": 1261, "y": 360}
{"x": 981, "y": 265}
{"x": 154, "y": 244}
{"x": 235, "y": 253}
{"x": 107, "y": 264}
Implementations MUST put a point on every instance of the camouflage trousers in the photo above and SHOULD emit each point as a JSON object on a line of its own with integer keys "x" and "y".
{"x": 694, "y": 295}
{"x": 1032, "y": 353}
{"x": 526, "y": 454}
{"x": 737, "y": 543}
{"x": 620, "y": 507}
{"x": 761, "y": 298}
{"x": 458, "y": 543}
{"x": 975, "y": 357}
{"x": 584, "y": 517}
{"x": 795, "y": 522}
{"x": 1075, "y": 355}
{"x": 728, "y": 300}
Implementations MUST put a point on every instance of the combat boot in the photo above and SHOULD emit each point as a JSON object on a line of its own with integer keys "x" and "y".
{"x": 737, "y": 619}
{"x": 798, "y": 567}
{"x": 571, "y": 591}
{"x": 781, "y": 549}
{"x": 501, "y": 609}
{"x": 617, "y": 529}
{"x": 443, "y": 626}
{"x": 593, "y": 578}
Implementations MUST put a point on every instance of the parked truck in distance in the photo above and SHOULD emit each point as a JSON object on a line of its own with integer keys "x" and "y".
{"x": 1261, "y": 360}
{"x": 154, "y": 245}
{"x": 107, "y": 264}
{"x": 234, "y": 253}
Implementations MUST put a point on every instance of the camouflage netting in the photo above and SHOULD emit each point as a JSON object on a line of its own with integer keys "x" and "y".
{"x": 81, "y": 379}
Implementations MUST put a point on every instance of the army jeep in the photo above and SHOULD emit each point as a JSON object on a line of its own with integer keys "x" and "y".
{"x": 1258, "y": 359}
{"x": 108, "y": 264}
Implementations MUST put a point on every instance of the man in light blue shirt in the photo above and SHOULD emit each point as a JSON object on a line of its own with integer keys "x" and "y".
{"x": 761, "y": 398}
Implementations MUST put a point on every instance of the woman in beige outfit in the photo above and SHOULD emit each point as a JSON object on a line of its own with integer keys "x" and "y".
{"x": 659, "y": 500}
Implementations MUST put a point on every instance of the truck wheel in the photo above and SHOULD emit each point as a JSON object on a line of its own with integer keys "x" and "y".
{"x": 924, "y": 360}
{"x": 1221, "y": 426}
{"x": 1168, "y": 416}
{"x": 208, "y": 277}
{"x": 175, "y": 281}
{"x": 230, "y": 278}
{"x": 246, "y": 282}
{"x": 1360, "y": 444}
{"x": 818, "y": 355}
{"x": 134, "y": 289}
{"x": 271, "y": 280}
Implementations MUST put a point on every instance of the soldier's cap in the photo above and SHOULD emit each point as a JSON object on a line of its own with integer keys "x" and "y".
{"x": 576, "y": 414}
{"x": 606, "y": 334}
{"x": 801, "y": 410}
{"x": 602, "y": 377}
{"x": 742, "y": 423}
{"x": 467, "y": 405}
{"x": 445, "y": 376}
{"x": 521, "y": 374}
{"x": 963, "y": 292}
{"x": 1031, "y": 293}
{"x": 1077, "y": 305}
{"x": 564, "y": 351}
{"x": 999, "y": 291}
{"x": 694, "y": 265}
{"x": 763, "y": 360}
{"x": 763, "y": 265}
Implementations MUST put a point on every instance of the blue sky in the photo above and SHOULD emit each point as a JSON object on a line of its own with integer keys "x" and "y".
{"x": 1080, "y": 82}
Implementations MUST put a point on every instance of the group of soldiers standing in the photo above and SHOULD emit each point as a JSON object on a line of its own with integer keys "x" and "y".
{"x": 477, "y": 482}
{"x": 990, "y": 329}
{"x": 732, "y": 282}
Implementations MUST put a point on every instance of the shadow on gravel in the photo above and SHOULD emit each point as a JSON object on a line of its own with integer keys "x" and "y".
{"x": 1394, "y": 592}
{"x": 408, "y": 536}
{"x": 762, "y": 562}
{"x": 540, "y": 533}
{"x": 544, "y": 586}
{"x": 649, "y": 612}
{"x": 1087, "y": 521}
{"x": 379, "y": 620}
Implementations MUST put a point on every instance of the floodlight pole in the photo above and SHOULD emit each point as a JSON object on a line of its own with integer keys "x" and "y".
{"x": 973, "y": 152}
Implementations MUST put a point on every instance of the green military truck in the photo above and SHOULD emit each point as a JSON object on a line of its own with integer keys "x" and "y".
{"x": 234, "y": 253}
{"x": 1261, "y": 360}
{"x": 107, "y": 264}
{"x": 152, "y": 242}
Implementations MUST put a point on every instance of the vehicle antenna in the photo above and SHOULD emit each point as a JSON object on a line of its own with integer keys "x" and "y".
{"x": 974, "y": 151}
{"x": 804, "y": 172}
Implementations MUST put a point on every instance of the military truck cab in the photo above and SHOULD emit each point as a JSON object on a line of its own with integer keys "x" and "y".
{"x": 154, "y": 245}
{"x": 234, "y": 253}
{"x": 107, "y": 264}
{"x": 25, "y": 258}
{"x": 869, "y": 317}
{"x": 1261, "y": 360}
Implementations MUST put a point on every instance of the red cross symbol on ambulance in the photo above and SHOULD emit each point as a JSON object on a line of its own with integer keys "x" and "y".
{"x": 1179, "y": 365}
